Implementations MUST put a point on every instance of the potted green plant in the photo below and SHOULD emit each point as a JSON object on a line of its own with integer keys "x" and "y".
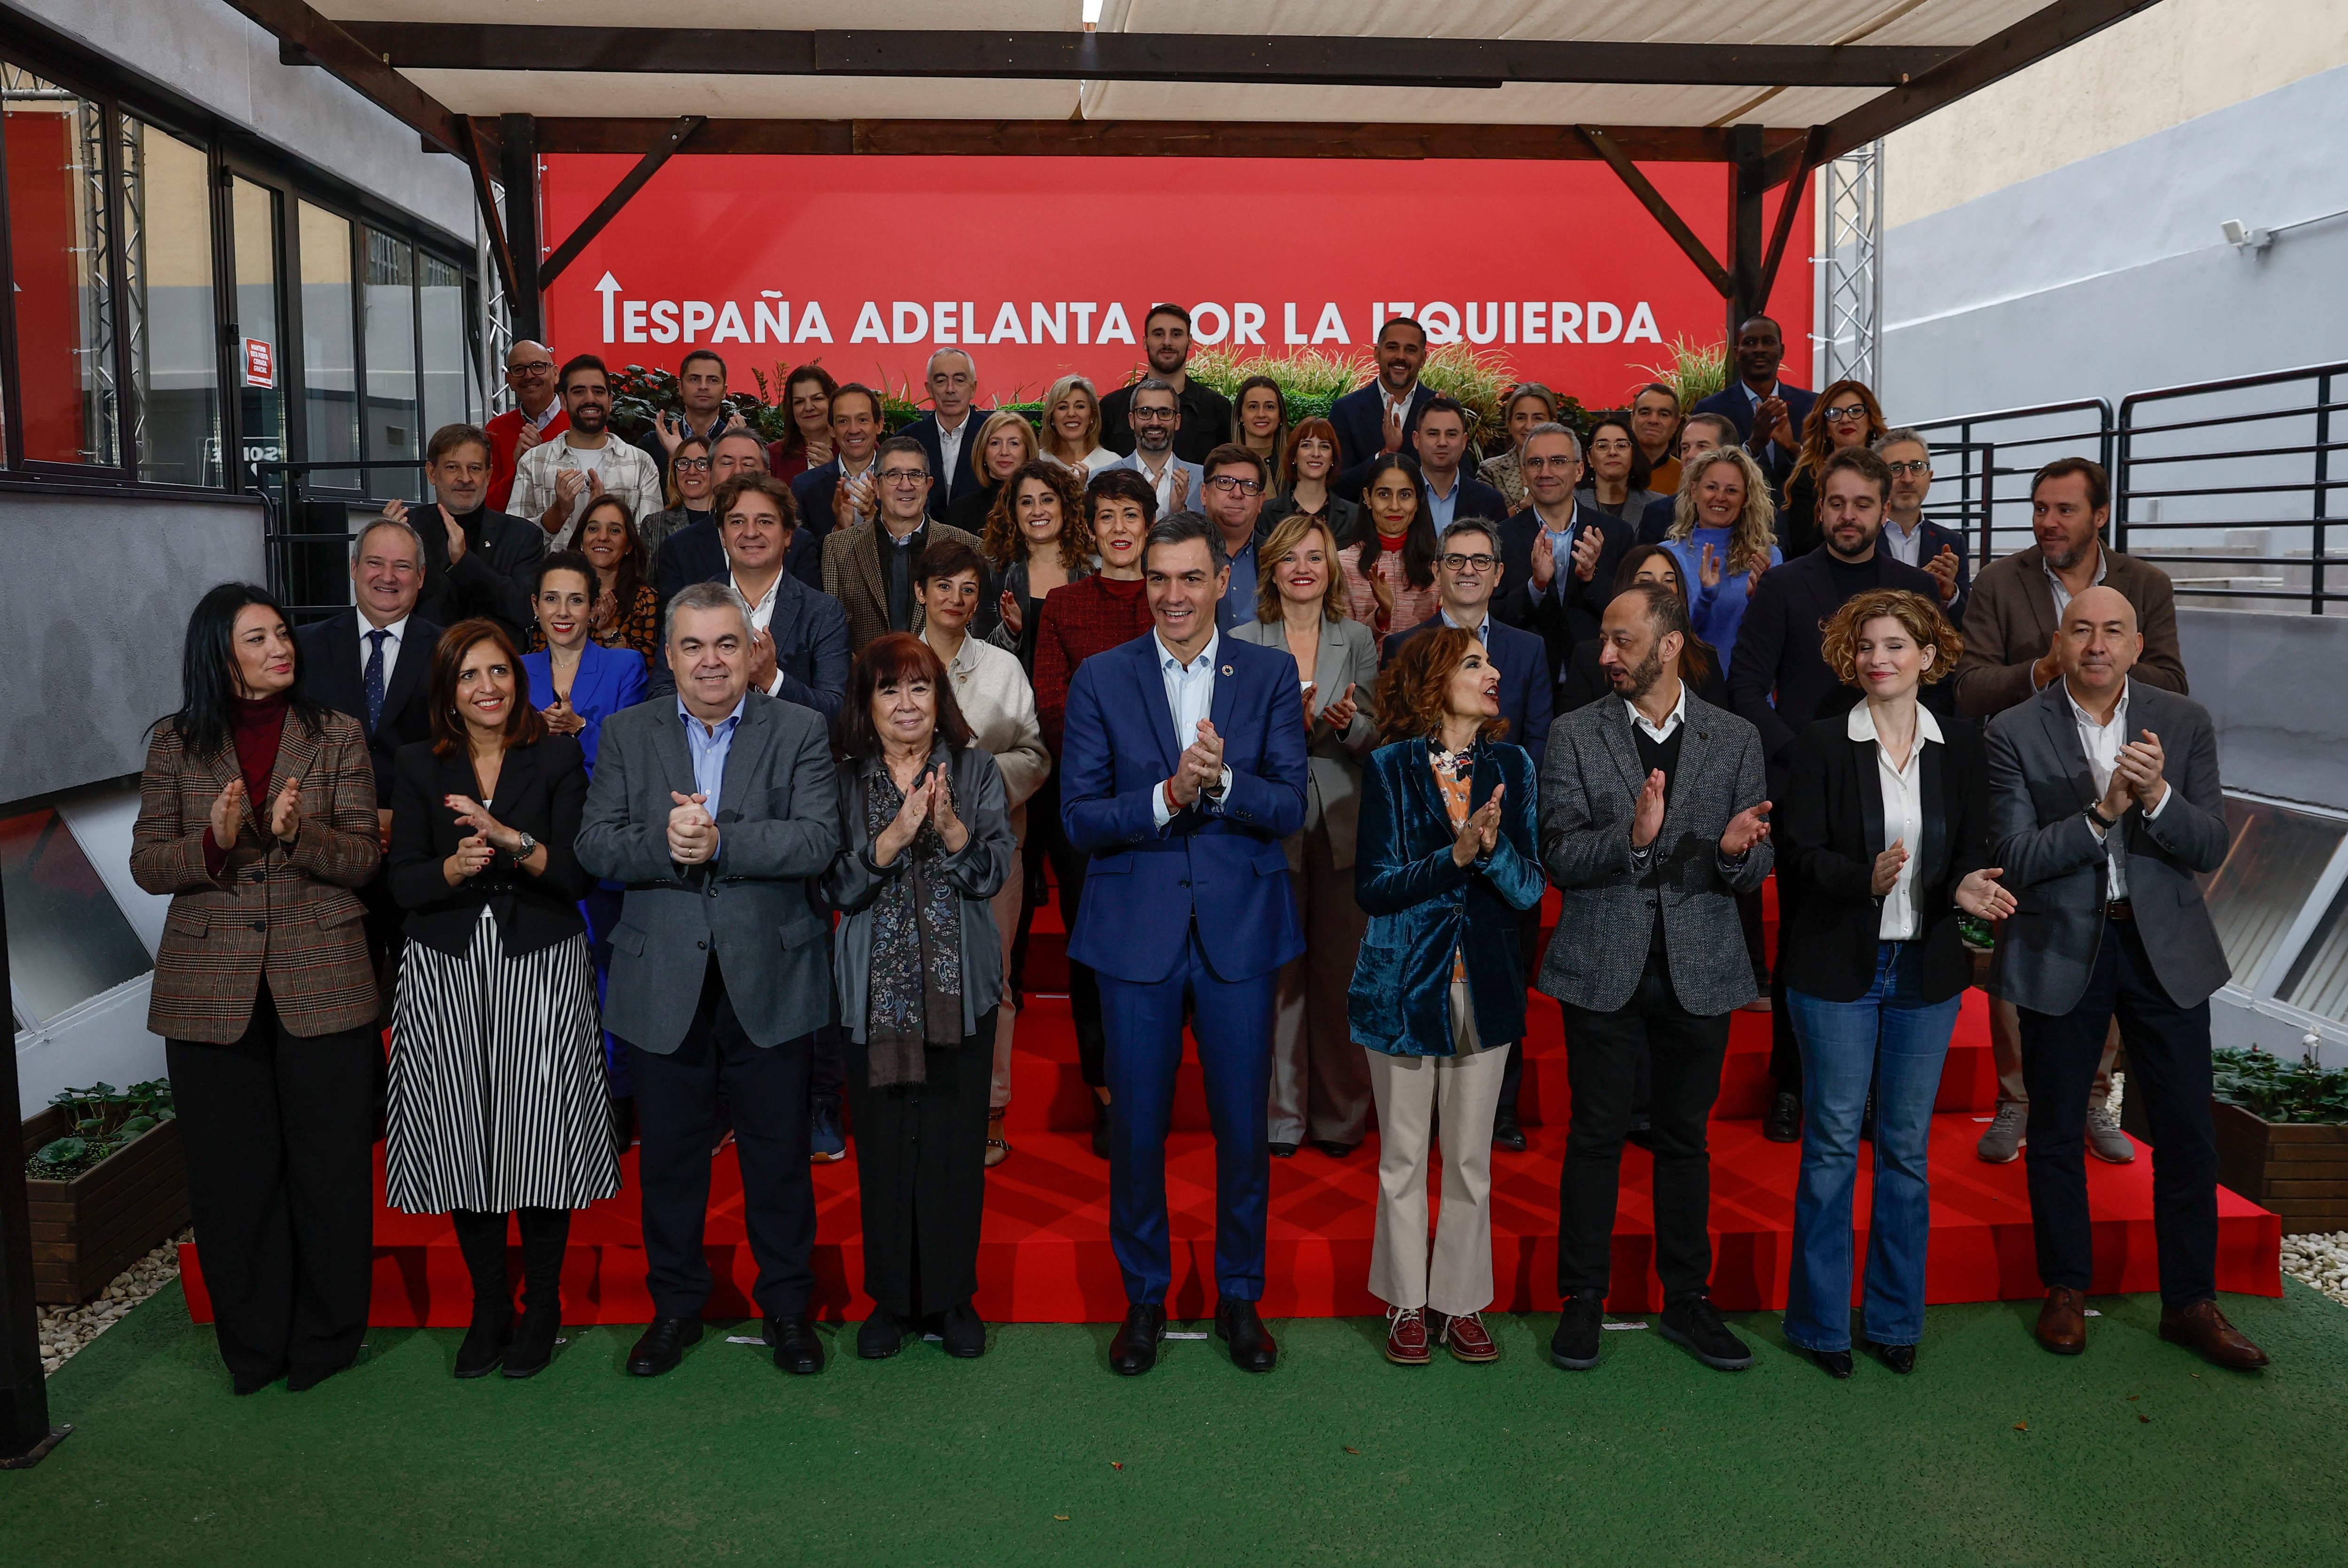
{"x": 105, "y": 1182}
{"x": 2282, "y": 1135}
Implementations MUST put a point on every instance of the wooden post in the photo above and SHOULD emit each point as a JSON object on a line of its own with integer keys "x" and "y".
{"x": 518, "y": 139}
{"x": 1746, "y": 175}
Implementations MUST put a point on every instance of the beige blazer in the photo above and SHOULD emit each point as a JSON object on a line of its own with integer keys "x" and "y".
{"x": 2010, "y": 624}
{"x": 1333, "y": 793}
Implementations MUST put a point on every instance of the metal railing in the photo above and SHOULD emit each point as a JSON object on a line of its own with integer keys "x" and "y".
{"x": 2226, "y": 485}
{"x": 306, "y": 538}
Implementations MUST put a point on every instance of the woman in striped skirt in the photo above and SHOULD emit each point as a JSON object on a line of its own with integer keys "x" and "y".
{"x": 498, "y": 1098}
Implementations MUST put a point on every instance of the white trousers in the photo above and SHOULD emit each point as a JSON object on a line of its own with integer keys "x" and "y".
{"x": 1421, "y": 1100}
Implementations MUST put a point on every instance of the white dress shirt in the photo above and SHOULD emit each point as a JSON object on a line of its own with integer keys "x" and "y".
{"x": 1658, "y": 733}
{"x": 2062, "y": 594}
{"x": 391, "y": 644}
{"x": 762, "y": 615}
{"x": 1904, "y": 544}
{"x": 1191, "y": 693}
{"x": 949, "y": 451}
{"x": 2101, "y": 743}
{"x": 1162, "y": 481}
{"x": 1903, "y": 815}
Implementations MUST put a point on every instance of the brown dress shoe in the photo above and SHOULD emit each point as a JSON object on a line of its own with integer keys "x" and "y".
{"x": 2063, "y": 1321}
{"x": 2205, "y": 1328}
{"x": 1407, "y": 1337}
{"x": 1468, "y": 1338}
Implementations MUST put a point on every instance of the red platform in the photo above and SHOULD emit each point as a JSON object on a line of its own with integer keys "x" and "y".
{"x": 1045, "y": 1254}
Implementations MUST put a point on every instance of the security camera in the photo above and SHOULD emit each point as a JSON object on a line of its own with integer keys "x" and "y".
{"x": 2243, "y": 239}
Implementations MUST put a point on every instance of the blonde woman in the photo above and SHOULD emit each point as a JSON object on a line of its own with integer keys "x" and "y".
{"x": 1071, "y": 427}
{"x": 1724, "y": 535}
{"x": 1319, "y": 1084}
{"x": 1005, "y": 442}
{"x": 1530, "y": 404}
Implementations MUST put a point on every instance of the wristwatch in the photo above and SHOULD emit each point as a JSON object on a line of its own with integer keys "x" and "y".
{"x": 2106, "y": 824}
{"x": 526, "y": 848}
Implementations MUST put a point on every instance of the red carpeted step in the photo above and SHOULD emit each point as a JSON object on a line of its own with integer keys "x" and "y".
{"x": 1046, "y": 1257}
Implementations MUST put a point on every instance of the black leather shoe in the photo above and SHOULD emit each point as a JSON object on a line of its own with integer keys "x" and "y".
{"x": 1252, "y": 1349}
{"x": 663, "y": 1345}
{"x": 962, "y": 1331}
{"x": 485, "y": 1342}
{"x": 1332, "y": 1147}
{"x": 1506, "y": 1134}
{"x": 1693, "y": 1324}
{"x": 1900, "y": 1359}
{"x": 881, "y": 1337}
{"x": 1100, "y": 1127}
{"x": 1837, "y": 1363}
{"x": 796, "y": 1350}
{"x": 1134, "y": 1349}
{"x": 1282, "y": 1151}
{"x": 1574, "y": 1347}
{"x": 1784, "y": 1122}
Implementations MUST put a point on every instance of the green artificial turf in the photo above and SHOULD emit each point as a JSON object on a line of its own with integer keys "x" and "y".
{"x": 1993, "y": 1453}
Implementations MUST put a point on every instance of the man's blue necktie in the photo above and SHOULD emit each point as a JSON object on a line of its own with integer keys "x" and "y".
{"x": 374, "y": 677}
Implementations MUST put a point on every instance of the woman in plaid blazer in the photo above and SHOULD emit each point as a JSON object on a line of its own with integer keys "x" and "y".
{"x": 257, "y": 816}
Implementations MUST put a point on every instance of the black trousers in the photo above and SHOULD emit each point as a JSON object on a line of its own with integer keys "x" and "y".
{"x": 2168, "y": 1067}
{"x": 279, "y": 1134}
{"x": 1602, "y": 1057}
{"x": 1513, "y": 1077}
{"x": 1068, "y": 864}
{"x": 1785, "y": 1050}
{"x": 766, "y": 1092}
{"x": 921, "y": 1174}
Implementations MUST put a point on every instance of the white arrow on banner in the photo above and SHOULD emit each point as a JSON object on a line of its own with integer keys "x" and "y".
{"x": 608, "y": 288}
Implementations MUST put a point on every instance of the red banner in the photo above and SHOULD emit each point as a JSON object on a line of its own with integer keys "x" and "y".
{"x": 1043, "y": 265}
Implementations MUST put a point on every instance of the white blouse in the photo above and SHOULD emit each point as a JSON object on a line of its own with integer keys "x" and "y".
{"x": 1903, "y": 817}
{"x": 999, "y": 705}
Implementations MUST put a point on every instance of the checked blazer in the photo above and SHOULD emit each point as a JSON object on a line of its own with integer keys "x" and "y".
{"x": 284, "y": 910}
{"x": 851, "y": 574}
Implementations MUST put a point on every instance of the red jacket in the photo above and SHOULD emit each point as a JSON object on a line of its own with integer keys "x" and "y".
{"x": 505, "y": 435}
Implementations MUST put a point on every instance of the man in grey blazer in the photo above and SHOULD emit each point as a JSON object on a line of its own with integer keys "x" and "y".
{"x": 1652, "y": 822}
{"x": 718, "y": 809}
{"x": 2105, "y": 803}
{"x": 1157, "y": 415}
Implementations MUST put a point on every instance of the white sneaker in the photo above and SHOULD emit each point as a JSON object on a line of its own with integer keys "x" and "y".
{"x": 2002, "y": 1144}
{"x": 2105, "y": 1142}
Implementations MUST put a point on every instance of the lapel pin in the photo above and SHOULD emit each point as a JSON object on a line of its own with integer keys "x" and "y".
{"x": 1226, "y": 669}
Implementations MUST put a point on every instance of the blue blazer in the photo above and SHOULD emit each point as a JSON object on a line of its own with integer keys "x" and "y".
{"x": 1218, "y": 865}
{"x": 694, "y": 553}
{"x": 948, "y": 486}
{"x": 1527, "y": 690}
{"x": 609, "y": 679}
{"x": 1424, "y": 906}
{"x": 1732, "y": 401}
{"x": 1474, "y": 498}
{"x": 1359, "y": 416}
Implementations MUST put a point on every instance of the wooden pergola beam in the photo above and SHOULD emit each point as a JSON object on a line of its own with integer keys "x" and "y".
{"x": 564, "y": 254}
{"x": 357, "y": 68}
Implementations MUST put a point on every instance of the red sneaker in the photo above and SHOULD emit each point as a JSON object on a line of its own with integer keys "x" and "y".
{"x": 1407, "y": 1337}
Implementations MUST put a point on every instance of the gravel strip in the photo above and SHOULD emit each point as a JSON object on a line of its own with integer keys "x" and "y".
{"x": 2320, "y": 1260}
{"x": 66, "y": 1329}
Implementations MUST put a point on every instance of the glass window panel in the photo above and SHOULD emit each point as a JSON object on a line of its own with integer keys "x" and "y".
{"x": 2272, "y": 863}
{"x": 167, "y": 260}
{"x": 393, "y": 407}
{"x": 2319, "y": 981}
{"x": 60, "y": 254}
{"x": 66, "y": 940}
{"x": 447, "y": 345}
{"x": 259, "y": 357}
{"x": 330, "y": 406}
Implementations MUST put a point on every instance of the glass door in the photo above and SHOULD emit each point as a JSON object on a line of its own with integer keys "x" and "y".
{"x": 256, "y": 220}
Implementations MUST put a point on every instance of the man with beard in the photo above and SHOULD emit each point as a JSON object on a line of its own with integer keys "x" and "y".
{"x": 1780, "y": 681}
{"x": 554, "y": 480}
{"x": 1382, "y": 417}
{"x": 477, "y": 560}
{"x": 1205, "y": 413}
{"x": 1652, "y": 789}
{"x": 2013, "y": 617}
{"x": 1156, "y": 410}
{"x": 536, "y": 416}
{"x": 1768, "y": 413}
{"x": 700, "y": 392}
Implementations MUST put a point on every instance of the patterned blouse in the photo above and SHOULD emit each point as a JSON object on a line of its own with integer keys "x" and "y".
{"x": 638, "y": 629}
{"x": 1411, "y": 605}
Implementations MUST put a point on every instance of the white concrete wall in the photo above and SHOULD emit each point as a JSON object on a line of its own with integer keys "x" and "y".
{"x": 204, "y": 50}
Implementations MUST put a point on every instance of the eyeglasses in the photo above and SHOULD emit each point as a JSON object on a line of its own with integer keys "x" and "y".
{"x": 690, "y": 465}
{"x": 1455, "y": 563}
{"x": 534, "y": 368}
{"x": 1848, "y": 414}
{"x": 903, "y": 476}
{"x": 1537, "y": 464}
{"x": 1919, "y": 467}
{"x": 1233, "y": 484}
{"x": 1148, "y": 416}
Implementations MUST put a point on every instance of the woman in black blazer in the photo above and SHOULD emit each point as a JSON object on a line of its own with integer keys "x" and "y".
{"x": 1884, "y": 836}
{"x": 498, "y": 1097}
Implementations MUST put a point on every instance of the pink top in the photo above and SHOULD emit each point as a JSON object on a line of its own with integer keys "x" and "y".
{"x": 1411, "y": 605}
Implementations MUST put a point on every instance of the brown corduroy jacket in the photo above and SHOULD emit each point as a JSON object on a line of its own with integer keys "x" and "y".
{"x": 851, "y": 574}
{"x": 286, "y": 910}
{"x": 2010, "y": 624}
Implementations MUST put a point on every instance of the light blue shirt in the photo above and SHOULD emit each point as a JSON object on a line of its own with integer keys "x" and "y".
{"x": 1483, "y": 627}
{"x": 1441, "y": 508}
{"x": 1560, "y": 544}
{"x": 1190, "y": 694}
{"x": 1237, "y": 605}
{"x": 709, "y": 746}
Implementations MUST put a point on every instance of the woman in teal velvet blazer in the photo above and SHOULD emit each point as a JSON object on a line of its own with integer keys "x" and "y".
{"x": 1444, "y": 860}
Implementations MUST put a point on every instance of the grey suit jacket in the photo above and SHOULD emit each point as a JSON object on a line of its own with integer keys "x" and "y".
{"x": 2040, "y": 787}
{"x": 1589, "y": 788}
{"x": 1332, "y": 763}
{"x": 754, "y": 906}
{"x": 1194, "y": 499}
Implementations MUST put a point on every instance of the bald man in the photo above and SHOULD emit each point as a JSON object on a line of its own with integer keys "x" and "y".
{"x": 537, "y": 414}
{"x": 2103, "y": 805}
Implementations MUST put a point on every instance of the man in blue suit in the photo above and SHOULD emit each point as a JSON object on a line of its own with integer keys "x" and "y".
{"x": 1768, "y": 413}
{"x": 951, "y": 429}
{"x": 1382, "y": 417}
{"x": 1182, "y": 769}
{"x": 1467, "y": 572}
{"x": 845, "y": 492}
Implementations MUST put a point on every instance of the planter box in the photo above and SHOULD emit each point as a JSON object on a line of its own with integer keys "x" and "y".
{"x": 88, "y": 1230}
{"x": 2298, "y": 1169}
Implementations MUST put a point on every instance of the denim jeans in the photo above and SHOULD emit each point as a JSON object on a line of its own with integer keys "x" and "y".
{"x": 1895, "y": 1040}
